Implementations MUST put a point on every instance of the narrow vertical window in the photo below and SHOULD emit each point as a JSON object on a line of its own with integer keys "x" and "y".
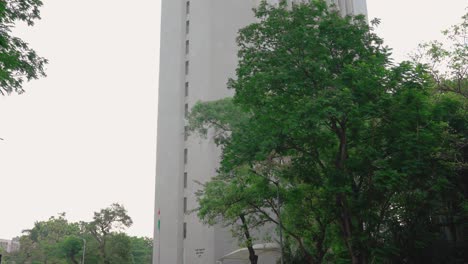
{"x": 186, "y": 88}
{"x": 186, "y": 133}
{"x": 186, "y": 111}
{"x": 185, "y": 230}
{"x": 187, "y": 46}
{"x": 185, "y": 156}
{"x": 185, "y": 180}
{"x": 185, "y": 205}
{"x": 187, "y": 67}
{"x": 187, "y": 27}
{"x": 187, "y": 7}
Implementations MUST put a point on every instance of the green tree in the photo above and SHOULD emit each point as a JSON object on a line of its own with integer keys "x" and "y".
{"x": 92, "y": 254}
{"x": 226, "y": 200}
{"x": 43, "y": 242}
{"x": 246, "y": 198}
{"x": 71, "y": 247}
{"x": 104, "y": 223}
{"x": 363, "y": 144}
{"x": 142, "y": 250}
{"x": 119, "y": 249}
{"x": 18, "y": 62}
{"x": 448, "y": 64}
{"x": 322, "y": 91}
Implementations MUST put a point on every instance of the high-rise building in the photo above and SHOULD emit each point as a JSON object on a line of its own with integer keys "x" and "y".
{"x": 198, "y": 56}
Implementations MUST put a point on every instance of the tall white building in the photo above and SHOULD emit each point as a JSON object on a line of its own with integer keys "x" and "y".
{"x": 198, "y": 56}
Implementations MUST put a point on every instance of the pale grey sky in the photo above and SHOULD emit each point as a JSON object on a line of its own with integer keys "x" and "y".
{"x": 84, "y": 137}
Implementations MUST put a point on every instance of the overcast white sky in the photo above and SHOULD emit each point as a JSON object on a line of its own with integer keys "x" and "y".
{"x": 84, "y": 137}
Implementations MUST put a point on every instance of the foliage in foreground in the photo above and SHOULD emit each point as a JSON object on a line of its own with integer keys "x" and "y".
{"x": 368, "y": 158}
{"x": 18, "y": 62}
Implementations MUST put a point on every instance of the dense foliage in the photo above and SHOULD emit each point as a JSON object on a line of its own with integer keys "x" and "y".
{"x": 358, "y": 160}
{"x": 58, "y": 241}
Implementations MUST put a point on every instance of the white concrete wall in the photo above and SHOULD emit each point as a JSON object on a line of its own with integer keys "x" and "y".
{"x": 169, "y": 167}
{"x": 348, "y": 7}
{"x": 212, "y": 58}
{"x": 360, "y": 7}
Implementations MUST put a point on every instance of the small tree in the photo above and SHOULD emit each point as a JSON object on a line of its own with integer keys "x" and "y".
{"x": 246, "y": 197}
{"x": 142, "y": 250}
{"x": 43, "y": 243}
{"x": 104, "y": 223}
{"x": 70, "y": 247}
{"x": 448, "y": 66}
{"x": 448, "y": 63}
{"x": 119, "y": 249}
{"x": 224, "y": 198}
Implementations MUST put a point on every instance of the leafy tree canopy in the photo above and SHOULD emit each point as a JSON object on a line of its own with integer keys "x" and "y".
{"x": 112, "y": 218}
{"x": 364, "y": 151}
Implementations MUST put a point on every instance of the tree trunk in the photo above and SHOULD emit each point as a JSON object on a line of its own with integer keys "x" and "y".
{"x": 309, "y": 259}
{"x": 319, "y": 244}
{"x": 252, "y": 257}
{"x": 345, "y": 216}
{"x": 346, "y": 227}
{"x": 73, "y": 260}
{"x": 102, "y": 251}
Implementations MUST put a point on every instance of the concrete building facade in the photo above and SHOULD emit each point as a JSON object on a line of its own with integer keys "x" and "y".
{"x": 9, "y": 246}
{"x": 198, "y": 55}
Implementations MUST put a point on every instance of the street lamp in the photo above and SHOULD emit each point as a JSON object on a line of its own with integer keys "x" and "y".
{"x": 84, "y": 250}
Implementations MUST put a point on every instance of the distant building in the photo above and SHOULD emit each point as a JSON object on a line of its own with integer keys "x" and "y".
{"x": 10, "y": 245}
{"x": 198, "y": 56}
